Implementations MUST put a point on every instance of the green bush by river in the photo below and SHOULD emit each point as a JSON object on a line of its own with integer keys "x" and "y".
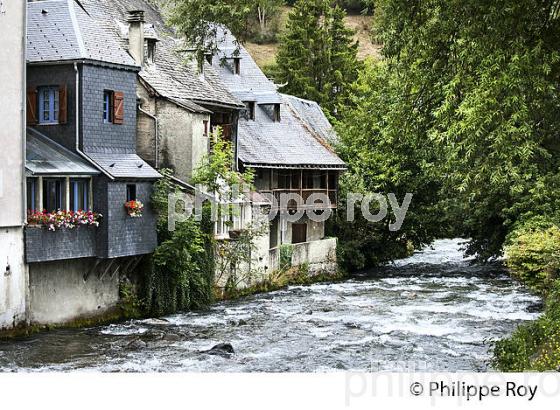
{"x": 533, "y": 257}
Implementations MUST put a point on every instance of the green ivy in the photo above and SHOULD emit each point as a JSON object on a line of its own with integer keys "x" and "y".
{"x": 180, "y": 275}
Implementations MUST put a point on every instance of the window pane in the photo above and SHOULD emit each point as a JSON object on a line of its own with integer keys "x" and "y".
{"x": 53, "y": 194}
{"x": 130, "y": 193}
{"x": 79, "y": 195}
{"x": 31, "y": 194}
{"x": 48, "y": 104}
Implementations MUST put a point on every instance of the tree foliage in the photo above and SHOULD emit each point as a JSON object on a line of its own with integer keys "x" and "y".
{"x": 199, "y": 21}
{"x": 386, "y": 153}
{"x": 317, "y": 58}
{"x": 483, "y": 79}
{"x": 533, "y": 254}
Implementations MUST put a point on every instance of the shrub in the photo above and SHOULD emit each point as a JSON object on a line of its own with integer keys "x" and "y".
{"x": 286, "y": 253}
{"x": 533, "y": 254}
{"x": 535, "y": 346}
{"x": 181, "y": 271}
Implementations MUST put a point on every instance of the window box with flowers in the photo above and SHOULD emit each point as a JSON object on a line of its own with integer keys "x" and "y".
{"x": 63, "y": 219}
{"x": 134, "y": 208}
{"x": 60, "y": 235}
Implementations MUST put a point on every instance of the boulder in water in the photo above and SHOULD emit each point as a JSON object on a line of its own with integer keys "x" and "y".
{"x": 171, "y": 337}
{"x": 537, "y": 307}
{"x": 137, "y": 344}
{"x": 156, "y": 322}
{"x": 222, "y": 349}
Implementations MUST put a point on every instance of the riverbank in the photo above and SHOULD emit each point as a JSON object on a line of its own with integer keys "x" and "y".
{"x": 533, "y": 258}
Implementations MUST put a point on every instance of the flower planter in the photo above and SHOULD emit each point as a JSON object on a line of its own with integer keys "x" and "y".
{"x": 134, "y": 209}
{"x": 63, "y": 219}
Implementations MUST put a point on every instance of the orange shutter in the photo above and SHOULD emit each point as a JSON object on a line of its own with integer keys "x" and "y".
{"x": 32, "y": 106}
{"x": 63, "y": 105}
{"x": 118, "y": 105}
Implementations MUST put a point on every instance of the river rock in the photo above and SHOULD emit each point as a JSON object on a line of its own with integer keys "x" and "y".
{"x": 171, "y": 337}
{"x": 156, "y": 322}
{"x": 535, "y": 307}
{"x": 137, "y": 344}
{"x": 222, "y": 349}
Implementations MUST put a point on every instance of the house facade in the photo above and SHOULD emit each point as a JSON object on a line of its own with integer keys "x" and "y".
{"x": 81, "y": 157}
{"x": 13, "y": 272}
{"x": 286, "y": 142}
{"x": 110, "y": 97}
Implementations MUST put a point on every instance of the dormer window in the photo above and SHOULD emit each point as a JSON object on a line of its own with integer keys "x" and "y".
{"x": 276, "y": 115}
{"x": 237, "y": 66}
{"x": 209, "y": 58}
{"x": 151, "y": 51}
{"x": 250, "y": 110}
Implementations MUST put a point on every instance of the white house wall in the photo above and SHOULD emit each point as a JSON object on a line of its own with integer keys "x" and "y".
{"x": 13, "y": 273}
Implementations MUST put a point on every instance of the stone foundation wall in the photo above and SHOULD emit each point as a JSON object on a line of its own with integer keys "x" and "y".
{"x": 13, "y": 279}
{"x": 59, "y": 293}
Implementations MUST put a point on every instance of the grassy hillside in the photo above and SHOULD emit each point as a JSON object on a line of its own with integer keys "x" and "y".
{"x": 265, "y": 54}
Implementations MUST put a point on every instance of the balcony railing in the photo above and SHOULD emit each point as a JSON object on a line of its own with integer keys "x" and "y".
{"x": 305, "y": 194}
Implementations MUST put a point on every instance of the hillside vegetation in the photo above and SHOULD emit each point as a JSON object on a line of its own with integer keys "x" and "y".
{"x": 265, "y": 54}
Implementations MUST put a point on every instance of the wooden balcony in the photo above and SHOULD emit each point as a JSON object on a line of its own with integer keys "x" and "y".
{"x": 305, "y": 194}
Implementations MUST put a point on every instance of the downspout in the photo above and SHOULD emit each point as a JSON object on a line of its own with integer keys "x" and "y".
{"x": 156, "y": 123}
{"x": 78, "y": 150}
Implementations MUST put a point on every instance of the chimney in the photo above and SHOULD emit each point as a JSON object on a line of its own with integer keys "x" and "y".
{"x": 136, "y": 35}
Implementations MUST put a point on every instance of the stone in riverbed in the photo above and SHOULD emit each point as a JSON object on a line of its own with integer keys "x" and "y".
{"x": 137, "y": 345}
{"x": 537, "y": 307}
{"x": 222, "y": 349}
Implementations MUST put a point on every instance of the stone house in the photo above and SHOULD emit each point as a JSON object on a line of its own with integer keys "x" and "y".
{"x": 286, "y": 141}
{"x": 81, "y": 155}
{"x": 179, "y": 102}
{"x": 282, "y": 138}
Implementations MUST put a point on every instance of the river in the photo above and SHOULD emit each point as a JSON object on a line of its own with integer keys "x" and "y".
{"x": 434, "y": 311}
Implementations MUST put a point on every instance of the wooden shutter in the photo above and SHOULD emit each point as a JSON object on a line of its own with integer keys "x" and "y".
{"x": 32, "y": 106}
{"x": 118, "y": 106}
{"x": 63, "y": 104}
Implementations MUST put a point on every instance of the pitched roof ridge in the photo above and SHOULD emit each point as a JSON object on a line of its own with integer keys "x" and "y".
{"x": 77, "y": 29}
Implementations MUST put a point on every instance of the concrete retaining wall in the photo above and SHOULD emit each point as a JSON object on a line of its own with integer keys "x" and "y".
{"x": 59, "y": 294}
{"x": 319, "y": 255}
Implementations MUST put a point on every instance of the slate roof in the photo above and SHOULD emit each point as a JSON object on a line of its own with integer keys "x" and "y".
{"x": 124, "y": 166}
{"x": 251, "y": 82}
{"x": 170, "y": 76}
{"x": 285, "y": 144}
{"x": 297, "y": 141}
{"x": 311, "y": 113}
{"x": 61, "y": 30}
{"x": 46, "y": 157}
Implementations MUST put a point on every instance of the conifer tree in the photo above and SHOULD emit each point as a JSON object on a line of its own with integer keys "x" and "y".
{"x": 317, "y": 59}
